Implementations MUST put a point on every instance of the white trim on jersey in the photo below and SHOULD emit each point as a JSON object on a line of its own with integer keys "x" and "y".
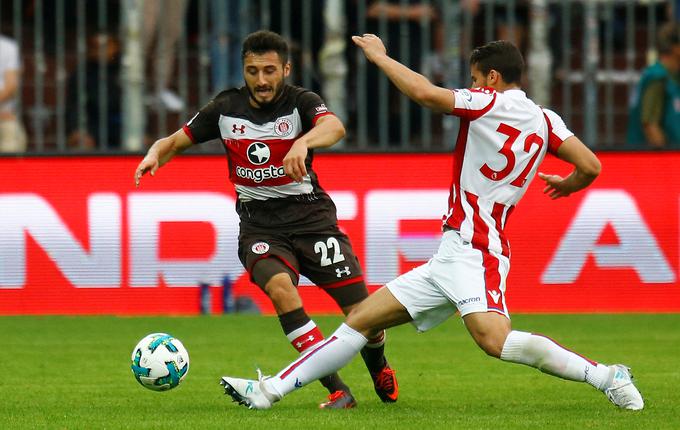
{"x": 285, "y": 127}
{"x": 246, "y": 193}
{"x": 558, "y": 131}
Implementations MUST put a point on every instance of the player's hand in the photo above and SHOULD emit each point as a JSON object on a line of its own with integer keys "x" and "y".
{"x": 555, "y": 186}
{"x": 149, "y": 164}
{"x": 372, "y": 45}
{"x": 294, "y": 161}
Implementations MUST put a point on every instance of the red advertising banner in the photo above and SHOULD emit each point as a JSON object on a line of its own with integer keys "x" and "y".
{"x": 76, "y": 236}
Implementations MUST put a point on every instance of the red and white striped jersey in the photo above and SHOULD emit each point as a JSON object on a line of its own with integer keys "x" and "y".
{"x": 503, "y": 137}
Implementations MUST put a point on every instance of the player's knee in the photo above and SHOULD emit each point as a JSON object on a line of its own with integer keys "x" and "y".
{"x": 358, "y": 322}
{"x": 281, "y": 291}
{"x": 491, "y": 343}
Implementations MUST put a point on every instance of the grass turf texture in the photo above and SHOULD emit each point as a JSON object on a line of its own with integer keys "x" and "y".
{"x": 74, "y": 372}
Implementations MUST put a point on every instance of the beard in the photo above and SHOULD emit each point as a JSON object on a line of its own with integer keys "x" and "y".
{"x": 277, "y": 90}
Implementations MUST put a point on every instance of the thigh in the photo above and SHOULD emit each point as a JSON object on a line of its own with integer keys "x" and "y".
{"x": 381, "y": 310}
{"x": 326, "y": 257}
{"x": 266, "y": 268}
{"x": 275, "y": 251}
{"x": 422, "y": 298}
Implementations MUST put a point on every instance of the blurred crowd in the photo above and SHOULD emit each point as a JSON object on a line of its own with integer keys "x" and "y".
{"x": 206, "y": 36}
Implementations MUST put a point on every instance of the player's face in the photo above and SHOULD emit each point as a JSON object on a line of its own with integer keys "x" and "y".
{"x": 264, "y": 75}
{"x": 478, "y": 78}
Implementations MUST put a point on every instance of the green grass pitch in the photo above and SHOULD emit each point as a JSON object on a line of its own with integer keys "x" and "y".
{"x": 74, "y": 373}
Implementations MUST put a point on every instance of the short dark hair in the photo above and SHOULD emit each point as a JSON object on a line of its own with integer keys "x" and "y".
{"x": 668, "y": 37}
{"x": 502, "y": 56}
{"x": 264, "y": 41}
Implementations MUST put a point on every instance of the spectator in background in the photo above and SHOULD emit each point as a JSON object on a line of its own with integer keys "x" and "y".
{"x": 85, "y": 133}
{"x": 162, "y": 26}
{"x": 12, "y": 133}
{"x": 230, "y": 20}
{"x": 394, "y": 12}
{"x": 517, "y": 32}
{"x": 654, "y": 120}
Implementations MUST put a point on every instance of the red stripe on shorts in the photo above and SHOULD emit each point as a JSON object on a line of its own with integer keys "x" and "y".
{"x": 480, "y": 241}
{"x": 343, "y": 283}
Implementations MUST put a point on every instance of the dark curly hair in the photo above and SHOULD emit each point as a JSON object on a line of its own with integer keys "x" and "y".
{"x": 264, "y": 41}
{"x": 501, "y": 56}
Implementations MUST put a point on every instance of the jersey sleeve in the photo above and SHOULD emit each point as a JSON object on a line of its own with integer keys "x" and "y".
{"x": 557, "y": 130}
{"x": 311, "y": 108}
{"x": 204, "y": 125}
{"x": 472, "y": 104}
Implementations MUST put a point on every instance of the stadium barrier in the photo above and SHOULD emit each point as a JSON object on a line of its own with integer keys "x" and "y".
{"x": 76, "y": 236}
{"x": 583, "y": 60}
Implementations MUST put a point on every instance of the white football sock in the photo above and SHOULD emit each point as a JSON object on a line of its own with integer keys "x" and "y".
{"x": 323, "y": 359}
{"x": 549, "y": 357}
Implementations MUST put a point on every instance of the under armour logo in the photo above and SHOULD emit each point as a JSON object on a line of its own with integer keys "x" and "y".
{"x": 495, "y": 295}
{"x": 241, "y": 128}
{"x": 344, "y": 271}
{"x": 303, "y": 341}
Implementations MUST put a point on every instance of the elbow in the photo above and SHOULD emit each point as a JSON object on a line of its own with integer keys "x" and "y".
{"x": 423, "y": 96}
{"x": 342, "y": 132}
{"x": 592, "y": 168}
{"x": 339, "y": 129}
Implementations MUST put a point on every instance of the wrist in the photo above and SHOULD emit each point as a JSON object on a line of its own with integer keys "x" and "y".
{"x": 302, "y": 142}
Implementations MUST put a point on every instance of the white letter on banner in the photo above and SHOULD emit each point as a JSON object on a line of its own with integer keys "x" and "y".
{"x": 148, "y": 210}
{"x": 30, "y": 213}
{"x": 637, "y": 248}
{"x": 384, "y": 243}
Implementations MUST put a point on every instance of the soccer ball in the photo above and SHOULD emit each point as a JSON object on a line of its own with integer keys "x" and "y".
{"x": 160, "y": 362}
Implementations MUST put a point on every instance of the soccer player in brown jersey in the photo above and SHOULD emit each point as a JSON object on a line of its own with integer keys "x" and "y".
{"x": 288, "y": 222}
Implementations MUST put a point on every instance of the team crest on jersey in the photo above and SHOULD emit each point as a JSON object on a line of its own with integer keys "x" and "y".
{"x": 260, "y": 248}
{"x": 258, "y": 153}
{"x": 283, "y": 127}
{"x": 466, "y": 94}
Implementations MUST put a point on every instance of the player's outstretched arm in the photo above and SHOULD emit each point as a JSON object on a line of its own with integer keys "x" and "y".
{"x": 586, "y": 168}
{"x": 414, "y": 85}
{"x": 327, "y": 131}
{"x": 161, "y": 152}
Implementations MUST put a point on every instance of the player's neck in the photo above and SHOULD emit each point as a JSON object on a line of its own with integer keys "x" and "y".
{"x": 501, "y": 87}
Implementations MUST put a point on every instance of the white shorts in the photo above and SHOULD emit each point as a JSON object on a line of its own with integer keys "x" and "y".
{"x": 458, "y": 276}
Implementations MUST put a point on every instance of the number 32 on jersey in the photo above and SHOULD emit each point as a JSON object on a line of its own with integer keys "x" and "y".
{"x": 506, "y": 151}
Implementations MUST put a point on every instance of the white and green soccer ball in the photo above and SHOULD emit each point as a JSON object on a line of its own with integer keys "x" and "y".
{"x": 160, "y": 362}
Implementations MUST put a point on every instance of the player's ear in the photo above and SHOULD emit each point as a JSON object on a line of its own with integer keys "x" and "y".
{"x": 494, "y": 77}
{"x": 286, "y": 70}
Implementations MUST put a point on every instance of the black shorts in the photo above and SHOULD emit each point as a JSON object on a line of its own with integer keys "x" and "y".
{"x": 324, "y": 256}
